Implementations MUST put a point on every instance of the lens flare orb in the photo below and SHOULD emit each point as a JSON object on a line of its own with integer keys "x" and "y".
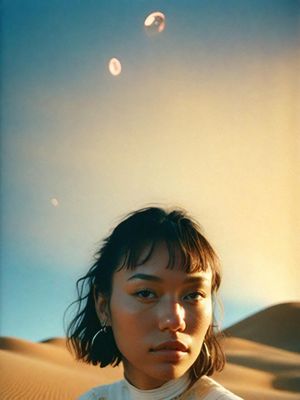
{"x": 114, "y": 66}
{"x": 54, "y": 201}
{"x": 155, "y": 22}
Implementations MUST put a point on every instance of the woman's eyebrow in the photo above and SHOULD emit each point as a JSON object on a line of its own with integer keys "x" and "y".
{"x": 196, "y": 279}
{"x": 145, "y": 277}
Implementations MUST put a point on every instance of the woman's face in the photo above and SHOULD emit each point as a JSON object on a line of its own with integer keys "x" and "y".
{"x": 159, "y": 317}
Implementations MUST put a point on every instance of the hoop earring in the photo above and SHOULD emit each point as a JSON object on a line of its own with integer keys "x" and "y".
{"x": 206, "y": 352}
{"x": 103, "y": 331}
{"x": 207, "y": 359}
{"x": 206, "y": 355}
{"x": 195, "y": 372}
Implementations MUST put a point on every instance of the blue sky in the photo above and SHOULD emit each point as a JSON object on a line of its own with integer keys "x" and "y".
{"x": 64, "y": 119}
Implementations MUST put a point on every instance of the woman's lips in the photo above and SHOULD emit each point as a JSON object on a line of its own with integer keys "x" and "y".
{"x": 171, "y": 345}
{"x": 172, "y": 351}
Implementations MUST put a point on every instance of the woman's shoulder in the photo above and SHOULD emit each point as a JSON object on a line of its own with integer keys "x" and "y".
{"x": 208, "y": 389}
{"x": 104, "y": 392}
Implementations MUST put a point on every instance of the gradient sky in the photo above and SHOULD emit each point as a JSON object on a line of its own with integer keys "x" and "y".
{"x": 202, "y": 116}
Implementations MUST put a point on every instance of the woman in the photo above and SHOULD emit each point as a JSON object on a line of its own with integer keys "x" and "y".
{"x": 147, "y": 302}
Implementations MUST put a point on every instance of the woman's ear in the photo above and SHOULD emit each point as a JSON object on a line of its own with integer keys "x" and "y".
{"x": 102, "y": 308}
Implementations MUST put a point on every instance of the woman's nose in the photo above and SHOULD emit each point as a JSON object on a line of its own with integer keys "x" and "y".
{"x": 172, "y": 317}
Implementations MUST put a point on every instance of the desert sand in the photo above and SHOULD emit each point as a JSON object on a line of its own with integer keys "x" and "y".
{"x": 262, "y": 353}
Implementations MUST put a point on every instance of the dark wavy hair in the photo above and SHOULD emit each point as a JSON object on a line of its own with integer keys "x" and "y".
{"x": 122, "y": 249}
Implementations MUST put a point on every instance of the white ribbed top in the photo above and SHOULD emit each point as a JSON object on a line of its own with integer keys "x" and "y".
{"x": 169, "y": 391}
{"x": 204, "y": 389}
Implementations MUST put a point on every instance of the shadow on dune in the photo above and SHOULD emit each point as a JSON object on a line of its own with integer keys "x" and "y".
{"x": 262, "y": 364}
{"x": 290, "y": 382}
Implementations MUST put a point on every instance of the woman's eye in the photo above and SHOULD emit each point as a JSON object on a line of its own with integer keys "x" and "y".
{"x": 194, "y": 296}
{"x": 145, "y": 294}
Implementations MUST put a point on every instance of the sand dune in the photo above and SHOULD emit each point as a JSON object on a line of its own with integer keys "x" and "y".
{"x": 35, "y": 371}
{"x": 277, "y": 326}
{"x": 44, "y": 371}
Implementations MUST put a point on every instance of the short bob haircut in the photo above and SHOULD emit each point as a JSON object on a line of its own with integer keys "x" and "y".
{"x": 122, "y": 249}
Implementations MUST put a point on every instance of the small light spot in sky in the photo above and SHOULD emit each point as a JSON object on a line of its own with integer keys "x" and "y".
{"x": 114, "y": 66}
{"x": 155, "y": 22}
{"x": 54, "y": 202}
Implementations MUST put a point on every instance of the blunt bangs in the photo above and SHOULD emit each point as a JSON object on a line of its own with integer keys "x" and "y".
{"x": 184, "y": 241}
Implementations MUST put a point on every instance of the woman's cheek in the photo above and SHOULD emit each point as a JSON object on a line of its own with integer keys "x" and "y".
{"x": 200, "y": 319}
